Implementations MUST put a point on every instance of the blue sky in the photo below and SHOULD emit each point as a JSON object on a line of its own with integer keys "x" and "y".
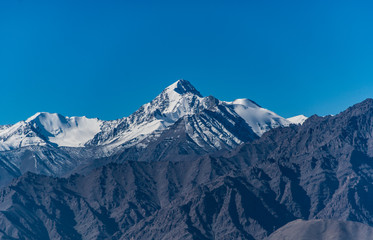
{"x": 106, "y": 58}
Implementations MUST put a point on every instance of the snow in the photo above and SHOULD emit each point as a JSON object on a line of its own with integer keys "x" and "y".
{"x": 57, "y": 129}
{"x": 18, "y": 135}
{"x": 245, "y": 102}
{"x": 136, "y": 133}
{"x": 65, "y": 131}
{"x": 260, "y": 119}
{"x": 177, "y": 100}
{"x": 297, "y": 119}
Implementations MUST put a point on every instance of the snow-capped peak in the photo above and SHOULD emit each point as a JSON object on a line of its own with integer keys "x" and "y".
{"x": 50, "y": 121}
{"x": 174, "y": 102}
{"x": 297, "y": 119}
{"x": 258, "y": 118}
{"x": 182, "y": 87}
{"x": 64, "y": 131}
{"x": 177, "y": 100}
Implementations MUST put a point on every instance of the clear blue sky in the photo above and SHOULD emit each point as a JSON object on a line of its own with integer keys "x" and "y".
{"x": 106, "y": 58}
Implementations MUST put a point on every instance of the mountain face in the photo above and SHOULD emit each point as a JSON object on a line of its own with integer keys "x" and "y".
{"x": 321, "y": 169}
{"x": 323, "y": 229}
{"x": 179, "y": 124}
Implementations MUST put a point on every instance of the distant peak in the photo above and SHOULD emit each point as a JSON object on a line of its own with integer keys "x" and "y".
{"x": 246, "y": 102}
{"x": 299, "y": 119}
{"x": 182, "y": 87}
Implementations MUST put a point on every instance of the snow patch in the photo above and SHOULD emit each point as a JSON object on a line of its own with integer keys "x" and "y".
{"x": 299, "y": 120}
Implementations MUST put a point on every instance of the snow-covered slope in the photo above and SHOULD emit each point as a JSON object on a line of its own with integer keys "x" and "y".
{"x": 19, "y": 135}
{"x": 260, "y": 119}
{"x": 43, "y": 128}
{"x": 297, "y": 119}
{"x": 65, "y": 131}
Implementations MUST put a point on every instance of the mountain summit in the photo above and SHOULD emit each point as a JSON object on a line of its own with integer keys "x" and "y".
{"x": 182, "y": 87}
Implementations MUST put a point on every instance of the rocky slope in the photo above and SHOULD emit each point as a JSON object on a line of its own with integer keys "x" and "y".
{"x": 323, "y": 229}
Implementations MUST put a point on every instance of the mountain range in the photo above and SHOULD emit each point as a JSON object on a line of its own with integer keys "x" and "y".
{"x": 178, "y": 124}
{"x": 190, "y": 167}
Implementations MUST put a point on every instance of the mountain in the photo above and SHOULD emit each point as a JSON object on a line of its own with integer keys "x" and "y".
{"x": 181, "y": 100}
{"x": 297, "y": 119}
{"x": 321, "y": 169}
{"x": 49, "y": 128}
{"x": 323, "y": 229}
{"x": 179, "y": 124}
{"x": 259, "y": 119}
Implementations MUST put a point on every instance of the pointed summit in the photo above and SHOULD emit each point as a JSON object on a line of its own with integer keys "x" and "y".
{"x": 183, "y": 87}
